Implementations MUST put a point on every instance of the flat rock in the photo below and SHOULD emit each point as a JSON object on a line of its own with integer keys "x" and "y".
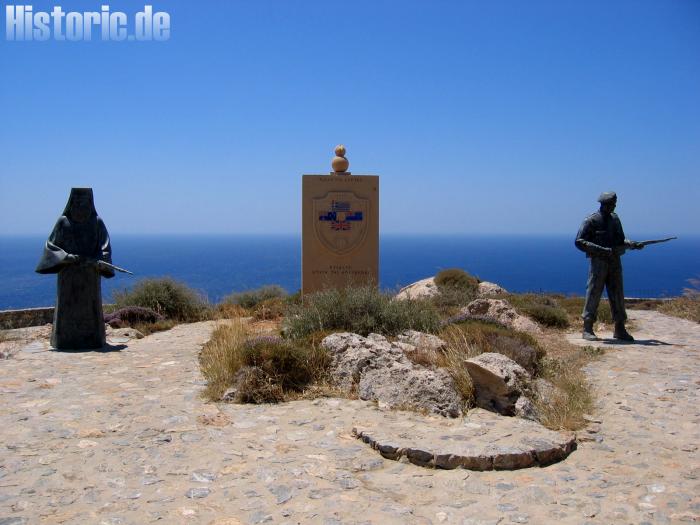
{"x": 499, "y": 383}
{"x": 479, "y": 441}
{"x": 501, "y": 312}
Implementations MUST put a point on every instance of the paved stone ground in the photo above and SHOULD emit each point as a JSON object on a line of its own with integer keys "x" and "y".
{"x": 122, "y": 437}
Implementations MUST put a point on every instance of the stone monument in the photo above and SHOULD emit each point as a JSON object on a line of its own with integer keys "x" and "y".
{"x": 340, "y": 228}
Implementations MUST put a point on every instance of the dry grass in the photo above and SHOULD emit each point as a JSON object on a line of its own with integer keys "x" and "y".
{"x": 564, "y": 407}
{"x": 457, "y": 351}
{"x": 264, "y": 368}
{"x": 683, "y": 307}
{"x": 558, "y": 361}
{"x": 269, "y": 309}
{"x": 286, "y": 370}
{"x": 218, "y": 359}
{"x": 229, "y": 311}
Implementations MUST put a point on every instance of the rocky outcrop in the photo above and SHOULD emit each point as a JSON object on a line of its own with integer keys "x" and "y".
{"x": 426, "y": 288}
{"x": 501, "y": 312}
{"x": 490, "y": 289}
{"x": 379, "y": 370}
{"x": 423, "y": 289}
{"x": 500, "y": 385}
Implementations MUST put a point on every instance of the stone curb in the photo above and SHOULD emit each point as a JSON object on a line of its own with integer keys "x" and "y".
{"x": 513, "y": 444}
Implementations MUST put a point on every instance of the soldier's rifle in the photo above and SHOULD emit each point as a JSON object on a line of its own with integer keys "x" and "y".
{"x": 104, "y": 264}
{"x": 619, "y": 250}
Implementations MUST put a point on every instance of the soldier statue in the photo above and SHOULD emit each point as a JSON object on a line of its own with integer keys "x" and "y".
{"x": 602, "y": 239}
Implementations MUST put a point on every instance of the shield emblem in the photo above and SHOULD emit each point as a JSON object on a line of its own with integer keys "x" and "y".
{"x": 340, "y": 221}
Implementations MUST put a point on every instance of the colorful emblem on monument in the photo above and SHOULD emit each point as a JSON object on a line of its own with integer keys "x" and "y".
{"x": 341, "y": 223}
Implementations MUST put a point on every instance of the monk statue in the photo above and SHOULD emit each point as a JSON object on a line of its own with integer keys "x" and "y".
{"x": 79, "y": 251}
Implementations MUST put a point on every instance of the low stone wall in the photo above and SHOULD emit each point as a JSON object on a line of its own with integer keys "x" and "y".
{"x": 10, "y": 319}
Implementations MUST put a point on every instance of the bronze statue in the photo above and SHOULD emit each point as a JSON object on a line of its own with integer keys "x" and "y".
{"x": 603, "y": 240}
{"x": 79, "y": 251}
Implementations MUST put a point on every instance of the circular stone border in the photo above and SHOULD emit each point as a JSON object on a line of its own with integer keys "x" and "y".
{"x": 480, "y": 441}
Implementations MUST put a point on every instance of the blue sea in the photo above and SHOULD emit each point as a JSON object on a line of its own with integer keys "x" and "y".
{"x": 220, "y": 264}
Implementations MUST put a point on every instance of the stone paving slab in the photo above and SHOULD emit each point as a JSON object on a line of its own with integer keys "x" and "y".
{"x": 123, "y": 437}
{"x": 480, "y": 441}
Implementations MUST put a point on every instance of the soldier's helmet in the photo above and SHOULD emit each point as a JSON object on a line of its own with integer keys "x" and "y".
{"x": 608, "y": 196}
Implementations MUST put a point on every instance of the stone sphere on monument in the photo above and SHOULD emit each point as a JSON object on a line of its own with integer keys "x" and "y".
{"x": 340, "y": 164}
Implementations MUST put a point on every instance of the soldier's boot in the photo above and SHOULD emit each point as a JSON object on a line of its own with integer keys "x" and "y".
{"x": 588, "y": 334}
{"x": 621, "y": 332}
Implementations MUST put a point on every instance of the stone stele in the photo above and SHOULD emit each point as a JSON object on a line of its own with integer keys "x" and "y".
{"x": 340, "y": 228}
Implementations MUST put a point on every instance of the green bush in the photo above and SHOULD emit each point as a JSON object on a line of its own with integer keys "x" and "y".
{"x": 544, "y": 309}
{"x": 552, "y": 316}
{"x": 362, "y": 310}
{"x": 170, "y": 298}
{"x": 252, "y": 298}
{"x": 457, "y": 278}
{"x": 457, "y": 288}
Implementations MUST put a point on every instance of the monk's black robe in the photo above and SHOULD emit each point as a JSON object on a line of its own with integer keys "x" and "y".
{"x": 78, "y": 320}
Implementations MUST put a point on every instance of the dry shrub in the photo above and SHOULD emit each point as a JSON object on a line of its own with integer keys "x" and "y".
{"x": 262, "y": 368}
{"x": 230, "y": 311}
{"x": 269, "y": 309}
{"x": 255, "y": 386}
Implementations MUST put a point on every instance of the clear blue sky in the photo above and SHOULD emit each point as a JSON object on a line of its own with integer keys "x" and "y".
{"x": 480, "y": 117}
